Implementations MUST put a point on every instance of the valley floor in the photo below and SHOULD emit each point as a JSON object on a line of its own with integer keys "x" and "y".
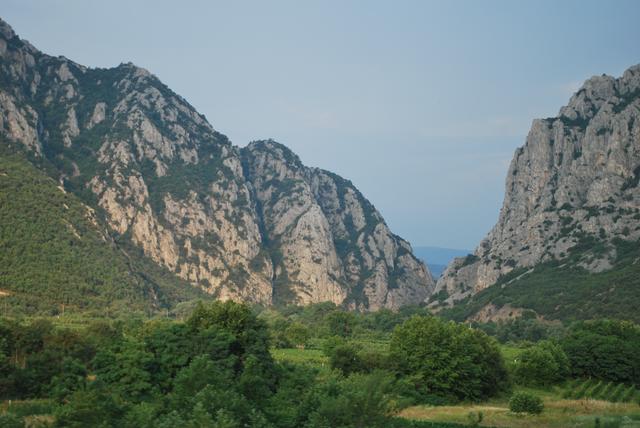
{"x": 558, "y": 412}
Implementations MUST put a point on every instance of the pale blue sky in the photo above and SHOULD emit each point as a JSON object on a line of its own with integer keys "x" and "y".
{"x": 419, "y": 103}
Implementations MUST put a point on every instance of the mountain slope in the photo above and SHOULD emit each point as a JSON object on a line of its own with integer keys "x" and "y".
{"x": 561, "y": 290}
{"x": 572, "y": 201}
{"x": 244, "y": 224}
{"x": 55, "y": 255}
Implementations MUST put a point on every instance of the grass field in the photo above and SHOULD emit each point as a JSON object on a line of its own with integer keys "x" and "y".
{"x": 576, "y": 404}
{"x": 600, "y": 390}
{"x": 310, "y": 357}
{"x": 557, "y": 414}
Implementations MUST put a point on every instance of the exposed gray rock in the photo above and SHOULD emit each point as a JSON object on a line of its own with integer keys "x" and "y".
{"x": 250, "y": 224}
{"x": 575, "y": 182}
{"x": 99, "y": 114}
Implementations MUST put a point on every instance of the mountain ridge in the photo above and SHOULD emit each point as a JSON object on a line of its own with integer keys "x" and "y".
{"x": 571, "y": 194}
{"x": 163, "y": 179}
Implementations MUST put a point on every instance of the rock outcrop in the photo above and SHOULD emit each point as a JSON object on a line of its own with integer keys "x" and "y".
{"x": 571, "y": 190}
{"x": 326, "y": 241}
{"x": 250, "y": 224}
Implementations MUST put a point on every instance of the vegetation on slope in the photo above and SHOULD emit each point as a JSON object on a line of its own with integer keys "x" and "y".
{"x": 576, "y": 293}
{"x": 56, "y": 257}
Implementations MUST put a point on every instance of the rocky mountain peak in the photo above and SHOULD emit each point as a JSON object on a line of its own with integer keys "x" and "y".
{"x": 272, "y": 151}
{"x": 6, "y": 31}
{"x": 251, "y": 224}
{"x": 574, "y": 184}
{"x": 600, "y": 91}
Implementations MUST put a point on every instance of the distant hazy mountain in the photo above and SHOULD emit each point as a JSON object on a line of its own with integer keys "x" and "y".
{"x": 437, "y": 258}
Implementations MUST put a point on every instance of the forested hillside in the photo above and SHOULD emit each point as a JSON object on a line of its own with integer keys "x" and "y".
{"x": 55, "y": 256}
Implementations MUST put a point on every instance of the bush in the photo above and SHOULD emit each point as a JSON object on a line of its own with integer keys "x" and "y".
{"x": 11, "y": 421}
{"x": 523, "y": 402}
{"x": 360, "y": 400}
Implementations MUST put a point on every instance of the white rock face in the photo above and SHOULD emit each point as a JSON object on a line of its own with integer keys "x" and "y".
{"x": 99, "y": 114}
{"x": 575, "y": 180}
{"x": 335, "y": 246}
{"x": 70, "y": 128}
{"x": 19, "y": 124}
{"x": 250, "y": 224}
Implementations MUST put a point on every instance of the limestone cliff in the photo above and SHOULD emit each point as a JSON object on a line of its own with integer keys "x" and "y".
{"x": 572, "y": 189}
{"x": 249, "y": 224}
{"x": 326, "y": 241}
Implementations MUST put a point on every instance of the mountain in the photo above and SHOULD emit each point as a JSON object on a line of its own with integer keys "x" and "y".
{"x": 437, "y": 258}
{"x": 251, "y": 224}
{"x": 566, "y": 241}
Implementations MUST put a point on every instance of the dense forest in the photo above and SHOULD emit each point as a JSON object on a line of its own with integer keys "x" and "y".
{"x": 231, "y": 365}
{"x": 56, "y": 257}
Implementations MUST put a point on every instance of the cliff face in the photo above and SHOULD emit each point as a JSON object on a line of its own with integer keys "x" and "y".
{"x": 249, "y": 224}
{"x": 325, "y": 240}
{"x": 571, "y": 190}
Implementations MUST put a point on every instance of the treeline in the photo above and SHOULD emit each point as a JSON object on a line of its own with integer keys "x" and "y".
{"x": 214, "y": 368}
{"x": 299, "y": 326}
{"x": 547, "y": 352}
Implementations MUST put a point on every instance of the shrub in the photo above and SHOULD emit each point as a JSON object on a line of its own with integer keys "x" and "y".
{"x": 523, "y": 402}
{"x": 475, "y": 418}
{"x": 11, "y": 421}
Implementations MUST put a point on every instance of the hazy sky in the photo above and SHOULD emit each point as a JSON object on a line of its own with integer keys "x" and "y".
{"x": 421, "y": 104}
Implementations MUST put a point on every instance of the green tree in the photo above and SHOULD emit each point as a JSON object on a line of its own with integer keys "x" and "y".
{"x": 285, "y": 406}
{"x": 604, "y": 349}
{"x": 340, "y": 323}
{"x": 7, "y": 377}
{"x": 359, "y": 401}
{"x": 346, "y": 358}
{"x": 446, "y": 359}
{"x": 250, "y": 332}
{"x": 128, "y": 370}
{"x": 91, "y": 407}
{"x": 544, "y": 363}
{"x": 71, "y": 379}
{"x": 201, "y": 372}
{"x": 297, "y": 334}
{"x": 142, "y": 415}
